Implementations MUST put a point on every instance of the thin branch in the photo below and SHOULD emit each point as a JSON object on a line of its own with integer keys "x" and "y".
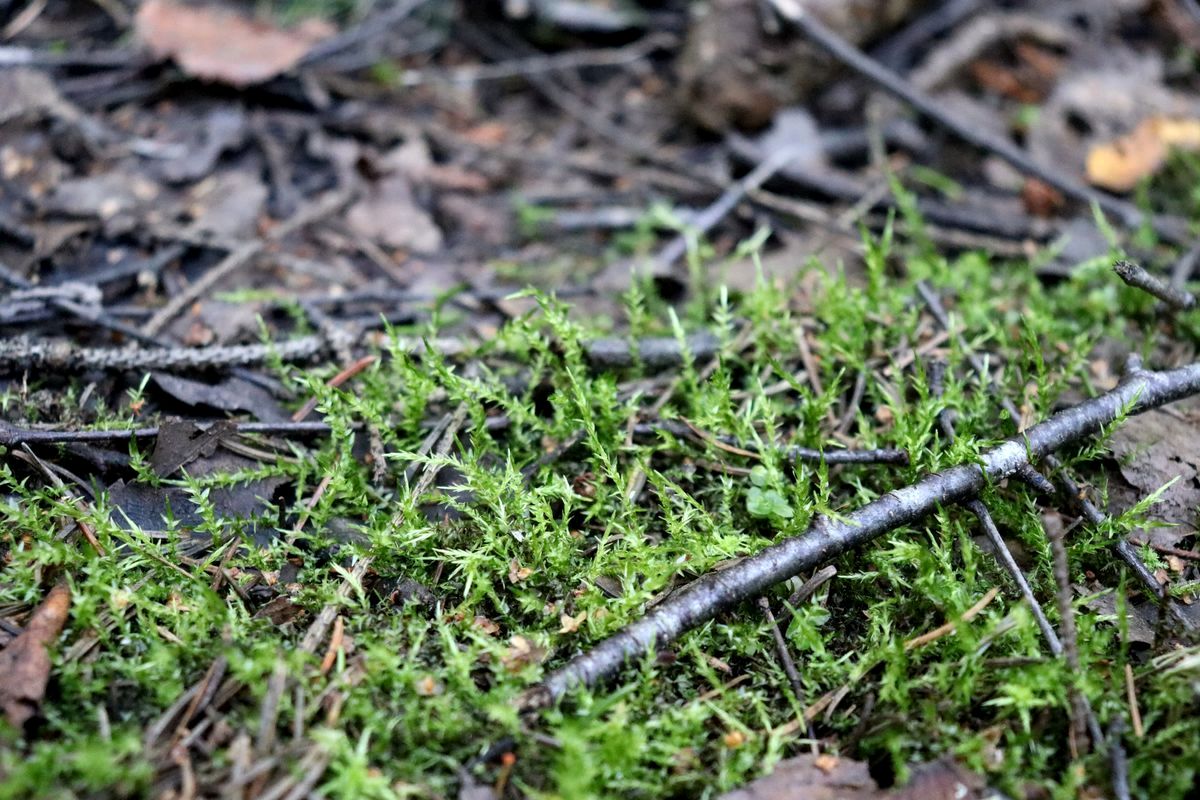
{"x": 731, "y": 445}
{"x": 1070, "y": 644}
{"x": 827, "y": 538}
{"x": 1137, "y": 277}
{"x": 655, "y": 352}
{"x": 10, "y": 436}
{"x": 1005, "y": 557}
{"x": 1072, "y": 492}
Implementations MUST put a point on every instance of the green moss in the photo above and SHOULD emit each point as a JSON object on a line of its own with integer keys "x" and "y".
{"x": 518, "y": 568}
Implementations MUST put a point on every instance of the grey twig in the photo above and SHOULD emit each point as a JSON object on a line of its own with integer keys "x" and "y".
{"x": 1005, "y": 557}
{"x": 1137, "y": 277}
{"x": 1117, "y": 759}
{"x": 828, "y": 538}
{"x": 1081, "y": 717}
{"x": 1068, "y": 487}
{"x": 10, "y": 435}
{"x": 807, "y": 454}
{"x": 64, "y": 356}
{"x": 719, "y": 208}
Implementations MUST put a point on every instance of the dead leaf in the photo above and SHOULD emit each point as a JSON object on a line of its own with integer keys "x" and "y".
{"x": 228, "y": 205}
{"x": 181, "y": 441}
{"x": 223, "y": 129}
{"x": 802, "y": 778}
{"x": 1141, "y": 617}
{"x": 517, "y": 573}
{"x": 25, "y": 663}
{"x": 101, "y": 196}
{"x": 1153, "y": 449}
{"x": 217, "y": 44}
{"x": 571, "y": 624}
{"x": 228, "y": 394}
{"x": 389, "y": 215}
{"x": 829, "y": 777}
{"x": 521, "y": 653}
{"x": 429, "y": 687}
{"x": 1119, "y": 165}
{"x": 281, "y": 610}
{"x": 944, "y": 779}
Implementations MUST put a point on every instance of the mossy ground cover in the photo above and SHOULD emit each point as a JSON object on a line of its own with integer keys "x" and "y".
{"x": 528, "y": 565}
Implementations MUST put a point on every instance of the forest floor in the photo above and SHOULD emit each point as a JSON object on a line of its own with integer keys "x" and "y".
{"x": 365, "y": 366}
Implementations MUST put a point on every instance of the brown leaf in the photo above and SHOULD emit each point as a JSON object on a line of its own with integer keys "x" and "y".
{"x": 219, "y": 45}
{"x": 181, "y": 441}
{"x": 25, "y": 663}
{"x": 1120, "y": 164}
{"x": 569, "y": 624}
{"x": 809, "y": 777}
{"x": 828, "y": 777}
{"x": 1151, "y": 450}
{"x": 521, "y": 653}
{"x": 517, "y": 573}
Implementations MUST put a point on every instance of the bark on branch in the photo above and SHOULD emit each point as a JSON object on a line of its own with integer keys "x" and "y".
{"x": 827, "y": 538}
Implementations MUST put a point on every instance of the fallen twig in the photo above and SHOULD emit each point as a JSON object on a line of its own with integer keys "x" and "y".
{"x": 10, "y": 436}
{"x": 1067, "y": 486}
{"x": 1005, "y": 557}
{"x": 828, "y": 538}
{"x": 1137, "y": 277}
{"x": 64, "y": 356}
{"x": 729, "y": 444}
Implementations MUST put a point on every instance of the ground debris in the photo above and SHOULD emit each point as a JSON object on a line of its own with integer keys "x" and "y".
{"x": 828, "y": 777}
{"x": 25, "y": 663}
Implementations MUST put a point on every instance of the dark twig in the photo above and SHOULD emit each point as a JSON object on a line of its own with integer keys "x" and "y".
{"x": 10, "y": 436}
{"x": 817, "y": 32}
{"x": 1137, "y": 277}
{"x": 810, "y": 586}
{"x": 1070, "y": 640}
{"x": 355, "y": 37}
{"x": 1116, "y": 759}
{"x": 807, "y": 454}
{"x": 61, "y": 355}
{"x": 829, "y": 538}
{"x": 719, "y": 208}
{"x": 1067, "y": 486}
{"x": 785, "y": 659}
{"x": 1035, "y": 480}
{"x": 1005, "y": 557}
{"x": 1181, "y": 273}
{"x": 1077, "y": 498}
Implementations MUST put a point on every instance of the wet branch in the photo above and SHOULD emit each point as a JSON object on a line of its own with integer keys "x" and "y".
{"x": 827, "y": 539}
